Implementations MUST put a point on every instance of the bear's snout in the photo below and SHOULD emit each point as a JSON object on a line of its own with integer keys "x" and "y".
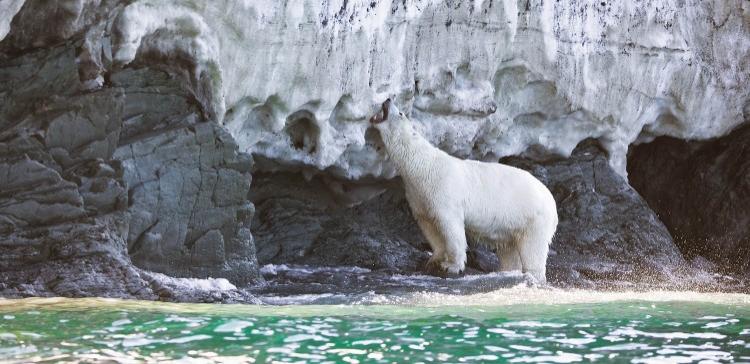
{"x": 381, "y": 115}
{"x": 386, "y": 107}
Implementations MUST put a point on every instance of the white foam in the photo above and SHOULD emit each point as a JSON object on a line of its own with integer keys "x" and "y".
{"x": 522, "y": 295}
{"x": 207, "y": 284}
{"x": 274, "y": 269}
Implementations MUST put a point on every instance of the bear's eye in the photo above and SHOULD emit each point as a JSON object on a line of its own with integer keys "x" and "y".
{"x": 400, "y": 113}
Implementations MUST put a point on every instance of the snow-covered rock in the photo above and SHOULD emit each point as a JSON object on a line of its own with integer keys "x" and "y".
{"x": 294, "y": 80}
{"x": 8, "y": 9}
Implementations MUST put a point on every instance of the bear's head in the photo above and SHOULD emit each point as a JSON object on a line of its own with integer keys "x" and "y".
{"x": 388, "y": 118}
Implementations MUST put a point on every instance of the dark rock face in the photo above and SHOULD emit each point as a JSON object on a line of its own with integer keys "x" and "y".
{"x": 701, "y": 190}
{"x": 63, "y": 200}
{"x": 307, "y": 222}
{"x": 313, "y": 222}
{"x": 42, "y": 23}
{"x": 188, "y": 185}
{"x": 92, "y": 175}
{"x": 607, "y": 233}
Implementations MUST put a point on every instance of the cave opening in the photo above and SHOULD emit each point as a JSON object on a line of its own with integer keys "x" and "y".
{"x": 700, "y": 190}
{"x": 303, "y": 131}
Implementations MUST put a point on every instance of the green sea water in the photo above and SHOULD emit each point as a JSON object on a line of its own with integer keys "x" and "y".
{"x": 581, "y": 326}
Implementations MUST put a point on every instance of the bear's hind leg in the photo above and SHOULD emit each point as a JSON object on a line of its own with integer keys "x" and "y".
{"x": 533, "y": 249}
{"x": 508, "y": 255}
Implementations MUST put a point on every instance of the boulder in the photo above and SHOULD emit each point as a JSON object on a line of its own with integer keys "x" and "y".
{"x": 607, "y": 233}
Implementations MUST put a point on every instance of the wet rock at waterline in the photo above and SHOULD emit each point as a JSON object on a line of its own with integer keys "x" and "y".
{"x": 701, "y": 190}
{"x": 294, "y": 284}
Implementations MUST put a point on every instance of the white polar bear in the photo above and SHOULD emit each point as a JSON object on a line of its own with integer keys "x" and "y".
{"x": 502, "y": 207}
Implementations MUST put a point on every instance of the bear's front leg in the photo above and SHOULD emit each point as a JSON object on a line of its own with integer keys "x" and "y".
{"x": 453, "y": 234}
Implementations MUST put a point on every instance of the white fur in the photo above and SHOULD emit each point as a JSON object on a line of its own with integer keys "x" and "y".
{"x": 502, "y": 207}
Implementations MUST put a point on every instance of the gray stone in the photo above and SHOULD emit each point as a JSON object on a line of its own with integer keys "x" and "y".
{"x": 93, "y": 180}
{"x": 306, "y": 222}
{"x": 34, "y": 194}
{"x": 348, "y": 243}
{"x": 181, "y": 188}
{"x": 607, "y": 233}
{"x": 42, "y": 23}
{"x": 209, "y": 248}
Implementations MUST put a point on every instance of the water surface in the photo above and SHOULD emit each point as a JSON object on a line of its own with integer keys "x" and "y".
{"x": 514, "y": 325}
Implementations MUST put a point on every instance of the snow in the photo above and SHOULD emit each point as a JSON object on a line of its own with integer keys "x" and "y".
{"x": 295, "y": 80}
{"x": 8, "y": 9}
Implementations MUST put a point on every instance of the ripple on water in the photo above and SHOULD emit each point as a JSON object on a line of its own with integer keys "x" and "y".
{"x": 622, "y": 330}
{"x": 233, "y": 326}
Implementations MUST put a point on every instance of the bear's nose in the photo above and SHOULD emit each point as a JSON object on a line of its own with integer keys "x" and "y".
{"x": 386, "y": 108}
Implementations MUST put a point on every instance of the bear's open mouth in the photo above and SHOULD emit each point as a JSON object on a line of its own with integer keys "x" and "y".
{"x": 382, "y": 115}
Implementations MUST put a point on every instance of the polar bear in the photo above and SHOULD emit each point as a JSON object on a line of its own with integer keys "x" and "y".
{"x": 502, "y": 207}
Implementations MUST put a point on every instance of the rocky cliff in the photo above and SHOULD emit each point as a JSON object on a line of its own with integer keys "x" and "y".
{"x": 96, "y": 175}
{"x": 127, "y": 129}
